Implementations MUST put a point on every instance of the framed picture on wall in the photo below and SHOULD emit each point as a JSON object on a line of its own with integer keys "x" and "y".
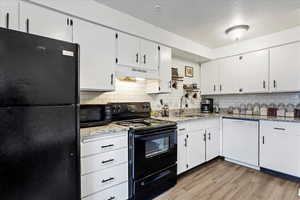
{"x": 189, "y": 71}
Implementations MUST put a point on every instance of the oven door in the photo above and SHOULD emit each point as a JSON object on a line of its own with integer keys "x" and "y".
{"x": 154, "y": 151}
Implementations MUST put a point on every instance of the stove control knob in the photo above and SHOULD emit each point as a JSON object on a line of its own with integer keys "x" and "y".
{"x": 118, "y": 108}
{"x": 146, "y": 106}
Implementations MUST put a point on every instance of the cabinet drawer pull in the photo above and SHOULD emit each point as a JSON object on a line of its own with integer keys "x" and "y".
{"x": 107, "y": 146}
{"x": 139, "y": 70}
{"x": 274, "y": 83}
{"x": 185, "y": 142}
{"x": 145, "y": 59}
{"x": 107, "y": 161}
{"x": 182, "y": 129}
{"x": 109, "y": 179}
{"x": 264, "y": 84}
{"x": 263, "y": 139}
{"x": 280, "y": 129}
{"x": 111, "y": 198}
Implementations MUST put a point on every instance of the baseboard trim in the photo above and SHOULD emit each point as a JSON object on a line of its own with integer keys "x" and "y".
{"x": 243, "y": 164}
{"x": 283, "y": 175}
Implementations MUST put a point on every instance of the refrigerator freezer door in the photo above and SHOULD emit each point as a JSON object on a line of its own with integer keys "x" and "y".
{"x": 38, "y": 153}
{"x": 36, "y": 70}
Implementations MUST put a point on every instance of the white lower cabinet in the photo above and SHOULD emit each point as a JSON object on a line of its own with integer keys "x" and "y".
{"x": 195, "y": 148}
{"x": 104, "y": 167}
{"x": 212, "y": 143}
{"x": 95, "y": 182}
{"x": 280, "y": 147}
{"x": 240, "y": 141}
{"x": 182, "y": 153}
{"x": 198, "y": 142}
{"x": 115, "y": 193}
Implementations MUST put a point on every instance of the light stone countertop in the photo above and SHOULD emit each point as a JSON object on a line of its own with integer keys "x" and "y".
{"x": 101, "y": 131}
{"x": 224, "y": 115}
{"x": 113, "y": 129}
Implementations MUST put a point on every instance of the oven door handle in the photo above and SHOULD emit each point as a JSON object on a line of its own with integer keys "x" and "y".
{"x": 162, "y": 133}
{"x": 162, "y": 175}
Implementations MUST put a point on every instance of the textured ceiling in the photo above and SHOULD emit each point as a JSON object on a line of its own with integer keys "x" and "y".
{"x": 204, "y": 21}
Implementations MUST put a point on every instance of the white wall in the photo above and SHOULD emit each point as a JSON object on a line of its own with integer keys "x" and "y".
{"x": 135, "y": 91}
{"x": 272, "y": 40}
{"x": 98, "y": 13}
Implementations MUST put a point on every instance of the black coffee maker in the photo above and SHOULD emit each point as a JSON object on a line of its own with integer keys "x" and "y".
{"x": 207, "y": 105}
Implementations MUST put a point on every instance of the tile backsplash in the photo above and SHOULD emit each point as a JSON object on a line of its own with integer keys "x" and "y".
{"x": 225, "y": 101}
{"x": 135, "y": 91}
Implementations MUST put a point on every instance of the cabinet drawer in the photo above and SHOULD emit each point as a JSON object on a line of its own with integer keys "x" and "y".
{"x": 104, "y": 160}
{"x": 103, "y": 145}
{"x": 119, "y": 192}
{"x": 290, "y": 128}
{"x": 104, "y": 179}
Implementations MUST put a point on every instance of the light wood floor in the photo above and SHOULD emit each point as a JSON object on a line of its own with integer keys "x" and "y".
{"x": 222, "y": 180}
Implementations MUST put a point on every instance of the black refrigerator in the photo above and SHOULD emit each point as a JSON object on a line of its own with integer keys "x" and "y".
{"x": 39, "y": 127}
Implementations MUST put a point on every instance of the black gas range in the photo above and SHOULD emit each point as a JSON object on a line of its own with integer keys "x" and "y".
{"x": 152, "y": 150}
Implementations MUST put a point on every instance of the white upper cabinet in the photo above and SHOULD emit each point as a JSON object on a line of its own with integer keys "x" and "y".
{"x": 238, "y": 74}
{"x": 9, "y": 10}
{"x": 149, "y": 55}
{"x": 133, "y": 52}
{"x": 210, "y": 79}
{"x": 230, "y": 75}
{"x": 97, "y": 56}
{"x": 163, "y": 85}
{"x": 44, "y": 22}
{"x": 254, "y": 72}
{"x": 128, "y": 50}
{"x": 285, "y": 68}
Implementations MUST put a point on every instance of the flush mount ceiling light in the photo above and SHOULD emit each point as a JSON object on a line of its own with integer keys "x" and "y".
{"x": 237, "y": 32}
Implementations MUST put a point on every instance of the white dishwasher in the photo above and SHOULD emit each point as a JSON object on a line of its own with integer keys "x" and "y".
{"x": 241, "y": 141}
